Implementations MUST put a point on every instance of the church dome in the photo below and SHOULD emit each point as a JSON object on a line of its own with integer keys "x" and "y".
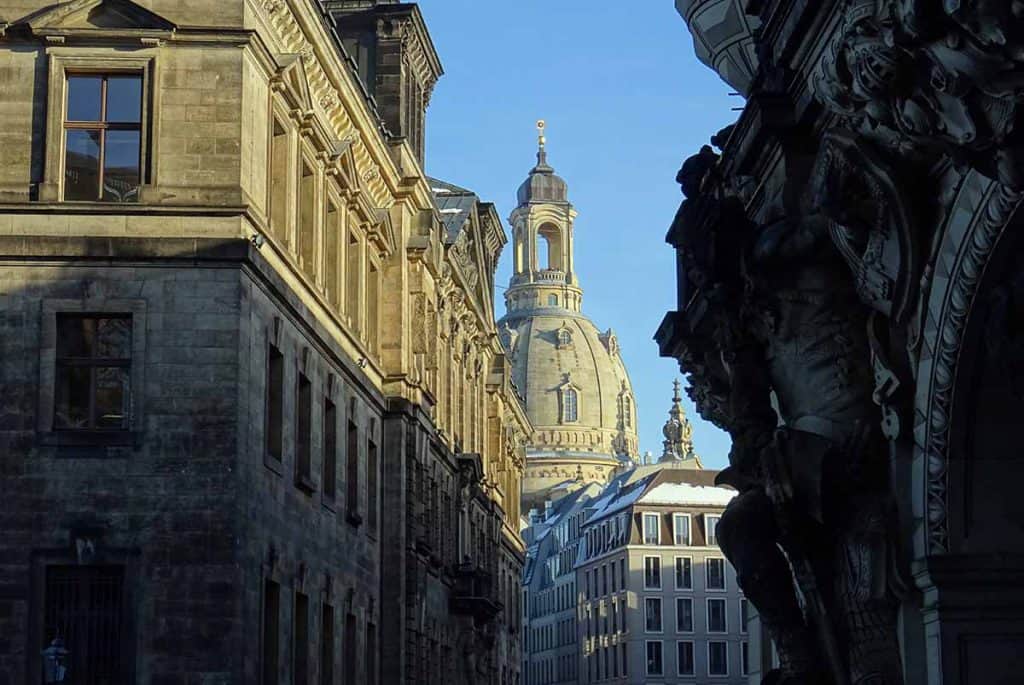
{"x": 555, "y": 353}
{"x": 575, "y": 386}
{"x": 543, "y": 185}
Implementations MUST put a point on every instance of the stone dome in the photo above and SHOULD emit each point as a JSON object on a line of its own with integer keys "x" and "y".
{"x": 554, "y": 350}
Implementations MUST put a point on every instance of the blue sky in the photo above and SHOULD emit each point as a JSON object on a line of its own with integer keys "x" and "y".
{"x": 625, "y": 102}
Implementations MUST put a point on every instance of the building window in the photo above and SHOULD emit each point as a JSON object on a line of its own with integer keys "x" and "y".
{"x": 711, "y": 529}
{"x": 103, "y": 137}
{"x": 300, "y": 640}
{"x": 625, "y": 662}
{"x": 745, "y": 658}
{"x": 570, "y": 405}
{"x": 352, "y": 468}
{"x": 371, "y": 486}
{"x": 652, "y": 573}
{"x": 604, "y": 579}
{"x": 93, "y": 372}
{"x": 275, "y": 401}
{"x": 654, "y": 662}
{"x": 718, "y": 658}
{"x": 373, "y": 307}
{"x": 271, "y": 631}
{"x": 279, "y": 156}
{"x": 303, "y": 432}
{"x": 353, "y": 280}
{"x": 744, "y": 614}
{"x": 684, "y": 615}
{"x": 684, "y": 658}
{"x": 349, "y": 656}
{"x": 715, "y": 569}
{"x": 564, "y": 338}
{"x": 627, "y": 411}
{"x": 652, "y": 529}
{"x": 622, "y": 573}
{"x": 652, "y": 615}
{"x": 684, "y": 573}
{"x": 552, "y": 300}
{"x": 327, "y": 645}
{"x": 84, "y": 606}
{"x": 332, "y": 253}
{"x": 307, "y": 219}
{"x": 371, "y": 654}
{"x": 330, "y": 457}
{"x": 681, "y": 529}
{"x": 716, "y": 616}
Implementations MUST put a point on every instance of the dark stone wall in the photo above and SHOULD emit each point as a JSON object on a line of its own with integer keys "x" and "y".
{"x": 163, "y": 507}
{"x": 190, "y": 506}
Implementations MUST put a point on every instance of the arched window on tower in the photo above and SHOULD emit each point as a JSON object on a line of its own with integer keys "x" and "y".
{"x": 627, "y": 411}
{"x": 564, "y": 337}
{"x": 570, "y": 405}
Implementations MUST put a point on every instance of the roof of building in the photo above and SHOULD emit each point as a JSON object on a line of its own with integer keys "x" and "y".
{"x": 543, "y": 184}
{"x": 456, "y": 205}
{"x": 660, "y": 485}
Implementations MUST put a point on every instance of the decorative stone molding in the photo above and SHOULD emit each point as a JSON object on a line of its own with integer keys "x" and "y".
{"x": 965, "y": 276}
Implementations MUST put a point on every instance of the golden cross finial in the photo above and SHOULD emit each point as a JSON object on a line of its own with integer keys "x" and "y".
{"x": 541, "y": 140}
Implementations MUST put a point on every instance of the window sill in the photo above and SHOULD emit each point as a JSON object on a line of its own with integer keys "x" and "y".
{"x": 90, "y": 439}
{"x": 274, "y": 464}
{"x": 305, "y": 483}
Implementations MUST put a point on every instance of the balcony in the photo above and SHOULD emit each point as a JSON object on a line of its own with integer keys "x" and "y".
{"x": 473, "y": 594}
{"x": 550, "y": 276}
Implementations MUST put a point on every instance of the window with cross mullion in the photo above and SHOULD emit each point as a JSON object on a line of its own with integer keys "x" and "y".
{"x": 103, "y": 137}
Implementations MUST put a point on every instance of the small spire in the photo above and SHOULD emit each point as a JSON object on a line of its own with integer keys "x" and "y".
{"x": 678, "y": 432}
{"x": 542, "y": 141}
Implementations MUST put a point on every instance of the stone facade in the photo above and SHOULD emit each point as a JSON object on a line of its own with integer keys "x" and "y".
{"x": 849, "y": 293}
{"x": 257, "y": 423}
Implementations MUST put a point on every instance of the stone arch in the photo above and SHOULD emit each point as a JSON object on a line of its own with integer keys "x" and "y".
{"x": 550, "y": 247}
{"x": 957, "y": 382}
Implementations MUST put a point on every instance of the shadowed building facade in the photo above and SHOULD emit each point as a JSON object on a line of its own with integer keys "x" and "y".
{"x": 257, "y": 426}
{"x": 849, "y": 309}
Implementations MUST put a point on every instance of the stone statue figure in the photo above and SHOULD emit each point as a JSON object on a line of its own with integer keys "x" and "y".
{"x": 807, "y": 533}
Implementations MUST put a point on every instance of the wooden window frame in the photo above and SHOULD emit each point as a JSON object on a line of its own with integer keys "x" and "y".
{"x": 63, "y": 64}
{"x": 133, "y": 435}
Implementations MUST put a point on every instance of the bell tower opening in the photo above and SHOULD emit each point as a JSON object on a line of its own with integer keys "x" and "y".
{"x": 549, "y": 248}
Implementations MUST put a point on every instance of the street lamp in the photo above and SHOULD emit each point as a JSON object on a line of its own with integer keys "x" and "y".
{"x": 54, "y": 659}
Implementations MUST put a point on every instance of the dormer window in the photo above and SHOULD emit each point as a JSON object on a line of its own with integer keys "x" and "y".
{"x": 552, "y": 300}
{"x": 564, "y": 338}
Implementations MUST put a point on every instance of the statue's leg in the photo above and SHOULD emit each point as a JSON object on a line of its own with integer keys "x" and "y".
{"x": 866, "y": 607}
{"x": 747, "y": 534}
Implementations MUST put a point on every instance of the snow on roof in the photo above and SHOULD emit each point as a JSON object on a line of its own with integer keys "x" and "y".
{"x": 684, "y": 493}
{"x": 616, "y": 501}
{"x": 451, "y": 210}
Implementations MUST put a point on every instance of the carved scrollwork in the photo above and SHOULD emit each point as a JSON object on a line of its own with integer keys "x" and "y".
{"x": 926, "y": 78}
{"x": 871, "y": 222}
